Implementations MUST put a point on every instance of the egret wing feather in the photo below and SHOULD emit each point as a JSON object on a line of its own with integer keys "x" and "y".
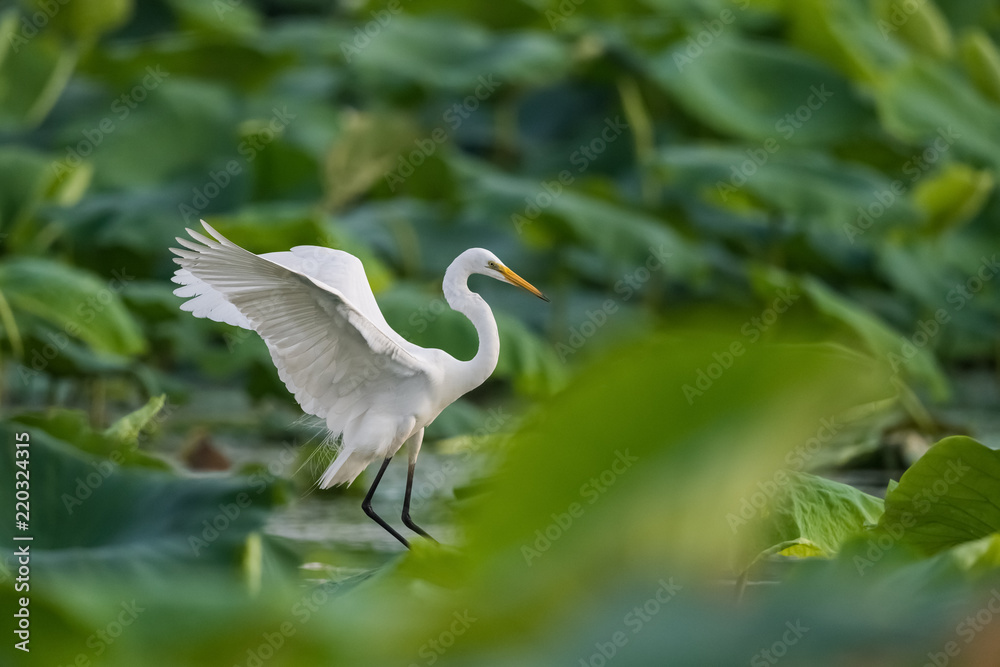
{"x": 334, "y": 268}
{"x": 204, "y": 301}
{"x": 343, "y": 272}
{"x": 326, "y": 349}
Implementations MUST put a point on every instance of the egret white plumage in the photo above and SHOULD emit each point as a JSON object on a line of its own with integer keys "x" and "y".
{"x": 334, "y": 350}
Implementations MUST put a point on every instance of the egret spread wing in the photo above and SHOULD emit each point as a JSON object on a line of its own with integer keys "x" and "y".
{"x": 327, "y": 351}
{"x": 335, "y": 268}
{"x": 345, "y": 273}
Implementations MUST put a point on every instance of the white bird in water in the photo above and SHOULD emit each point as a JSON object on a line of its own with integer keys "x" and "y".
{"x": 335, "y": 352}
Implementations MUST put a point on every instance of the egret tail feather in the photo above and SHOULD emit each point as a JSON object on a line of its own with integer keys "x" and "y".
{"x": 345, "y": 469}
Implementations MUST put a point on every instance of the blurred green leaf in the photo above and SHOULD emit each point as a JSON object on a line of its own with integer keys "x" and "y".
{"x": 924, "y": 102}
{"x": 128, "y": 428}
{"x": 364, "y": 154}
{"x": 8, "y": 31}
{"x": 945, "y": 499}
{"x": 155, "y": 127}
{"x": 28, "y": 176}
{"x": 82, "y": 19}
{"x": 551, "y": 209}
{"x": 633, "y": 435}
{"x": 911, "y": 271}
{"x": 456, "y": 55}
{"x": 953, "y": 196}
{"x": 812, "y": 105}
{"x": 236, "y": 19}
{"x": 67, "y": 429}
{"x": 33, "y": 72}
{"x": 921, "y": 25}
{"x": 982, "y": 61}
{"x": 846, "y": 35}
{"x": 812, "y": 516}
{"x": 77, "y": 302}
{"x": 899, "y": 353}
{"x": 35, "y": 179}
{"x": 103, "y": 522}
{"x": 532, "y": 363}
{"x": 815, "y": 191}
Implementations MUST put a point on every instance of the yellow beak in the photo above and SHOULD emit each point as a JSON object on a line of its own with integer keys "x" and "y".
{"x": 517, "y": 280}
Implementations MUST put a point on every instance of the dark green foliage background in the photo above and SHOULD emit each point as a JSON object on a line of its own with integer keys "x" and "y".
{"x": 808, "y": 180}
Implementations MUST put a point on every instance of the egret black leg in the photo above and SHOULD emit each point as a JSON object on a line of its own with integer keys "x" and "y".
{"x": 407, "y": 521}
{"x": 367, "y": 505}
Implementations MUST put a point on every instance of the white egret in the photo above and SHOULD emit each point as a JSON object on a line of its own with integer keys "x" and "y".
{"x": 334, "y": 350}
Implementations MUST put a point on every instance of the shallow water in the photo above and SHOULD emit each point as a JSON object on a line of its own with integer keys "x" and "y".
{"x": 336, "y": 521}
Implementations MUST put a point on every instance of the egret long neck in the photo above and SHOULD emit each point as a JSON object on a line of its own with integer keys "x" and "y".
{"x": 474, "y": 372}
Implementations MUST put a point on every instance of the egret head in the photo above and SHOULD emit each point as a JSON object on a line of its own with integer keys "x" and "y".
{"x": 484, "y": 262}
